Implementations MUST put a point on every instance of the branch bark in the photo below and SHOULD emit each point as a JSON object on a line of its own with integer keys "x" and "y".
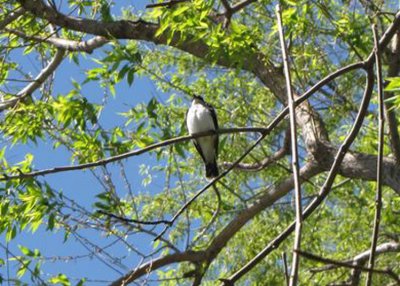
{"x": 363, "y": 257}
{"x": 87, "y": 46}
{"x": 295, "y": 161}
{"x": 378, "y": 197}
{"x": 137, "y": 152}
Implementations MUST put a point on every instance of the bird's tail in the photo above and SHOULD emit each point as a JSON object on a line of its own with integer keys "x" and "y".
{"x": 212, "y": 170}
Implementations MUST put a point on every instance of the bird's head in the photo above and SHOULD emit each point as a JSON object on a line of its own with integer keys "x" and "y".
{"x": 198, "y": 99}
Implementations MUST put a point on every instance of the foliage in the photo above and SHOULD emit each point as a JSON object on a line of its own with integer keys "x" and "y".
{"x": 131, "y": 93}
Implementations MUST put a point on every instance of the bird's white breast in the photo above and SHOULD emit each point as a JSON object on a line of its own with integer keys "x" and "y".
{"x": 199, "y": 119}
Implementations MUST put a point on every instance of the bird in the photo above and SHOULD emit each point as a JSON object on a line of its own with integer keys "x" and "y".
{"x": 202, "y": 117}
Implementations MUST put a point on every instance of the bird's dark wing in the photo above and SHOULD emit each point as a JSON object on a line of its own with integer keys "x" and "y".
{"x": 213, "y": 114}
{"x": 198, "y": 148}
{"x": 215, "y": 120}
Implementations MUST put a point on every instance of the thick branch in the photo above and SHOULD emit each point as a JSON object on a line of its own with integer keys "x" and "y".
{"x": 187, "y": 256}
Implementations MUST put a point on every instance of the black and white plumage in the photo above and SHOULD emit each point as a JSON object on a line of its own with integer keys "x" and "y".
{"x": 201, "y": 117}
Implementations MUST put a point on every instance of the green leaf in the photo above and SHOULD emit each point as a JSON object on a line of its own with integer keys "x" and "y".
{"x": 60, "y": 279}
{"x": 394, "y": 84}
{"x": 131, "y": 76}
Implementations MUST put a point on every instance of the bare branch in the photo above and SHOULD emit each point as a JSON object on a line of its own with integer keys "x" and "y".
{"x": 39, "y": 80}
{"x": 311, "y": 256}
{"x": 219, "y": 242}
{"x": 137, "y": 152}
{"x": 70, "y": 45}
{"x": 295, "y": 161}
{"x": 363, "y": 257}
{"x": 258, "y": 166}
{"x": 378, "y": 198}
{"x": 167, "y": 4}
{"x": 285, "y": 266}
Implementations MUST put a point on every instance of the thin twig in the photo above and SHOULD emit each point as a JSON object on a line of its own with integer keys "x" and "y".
{"x": 267, "y": 161}
{"x": 295, "y": 161}
{"x": 285, "y": 267}
{"x": 167, "y": 4}
{"x": 129, "y": 220}
{"x": 347, "y": 265}
{"x": 378, "y": 198}
{"x": 241, "y": 5}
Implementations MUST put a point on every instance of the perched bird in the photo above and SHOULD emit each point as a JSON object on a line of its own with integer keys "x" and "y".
{"x": 201, "y": 117}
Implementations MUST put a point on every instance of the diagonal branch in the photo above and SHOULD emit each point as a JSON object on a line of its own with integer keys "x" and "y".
{"x": 38, "y": 81}
{"x": 390, "y": 112}
{"x": 211, "y": 183}
{"x": 258, "y": 166}
{"x": 187, "y": 256}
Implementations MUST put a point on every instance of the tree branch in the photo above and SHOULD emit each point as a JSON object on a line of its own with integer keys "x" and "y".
{"x": 137, "y": 152}
{"x": 187, "y": 256}
{"x": 167, "y": 4}
{"x": 378, "y": 198}
{"x": 211, "y": 183}
{"x": 390, "y": 113}
{"x": 295, "y": 161}
{"x": 38, "y": 81}
{"x": 258, "y": 166}
{"x": 364, "y": 256}
{"x": 219, "y": 242}
{"x": 347, "y": 265}
{"x": 70, "y": 45}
